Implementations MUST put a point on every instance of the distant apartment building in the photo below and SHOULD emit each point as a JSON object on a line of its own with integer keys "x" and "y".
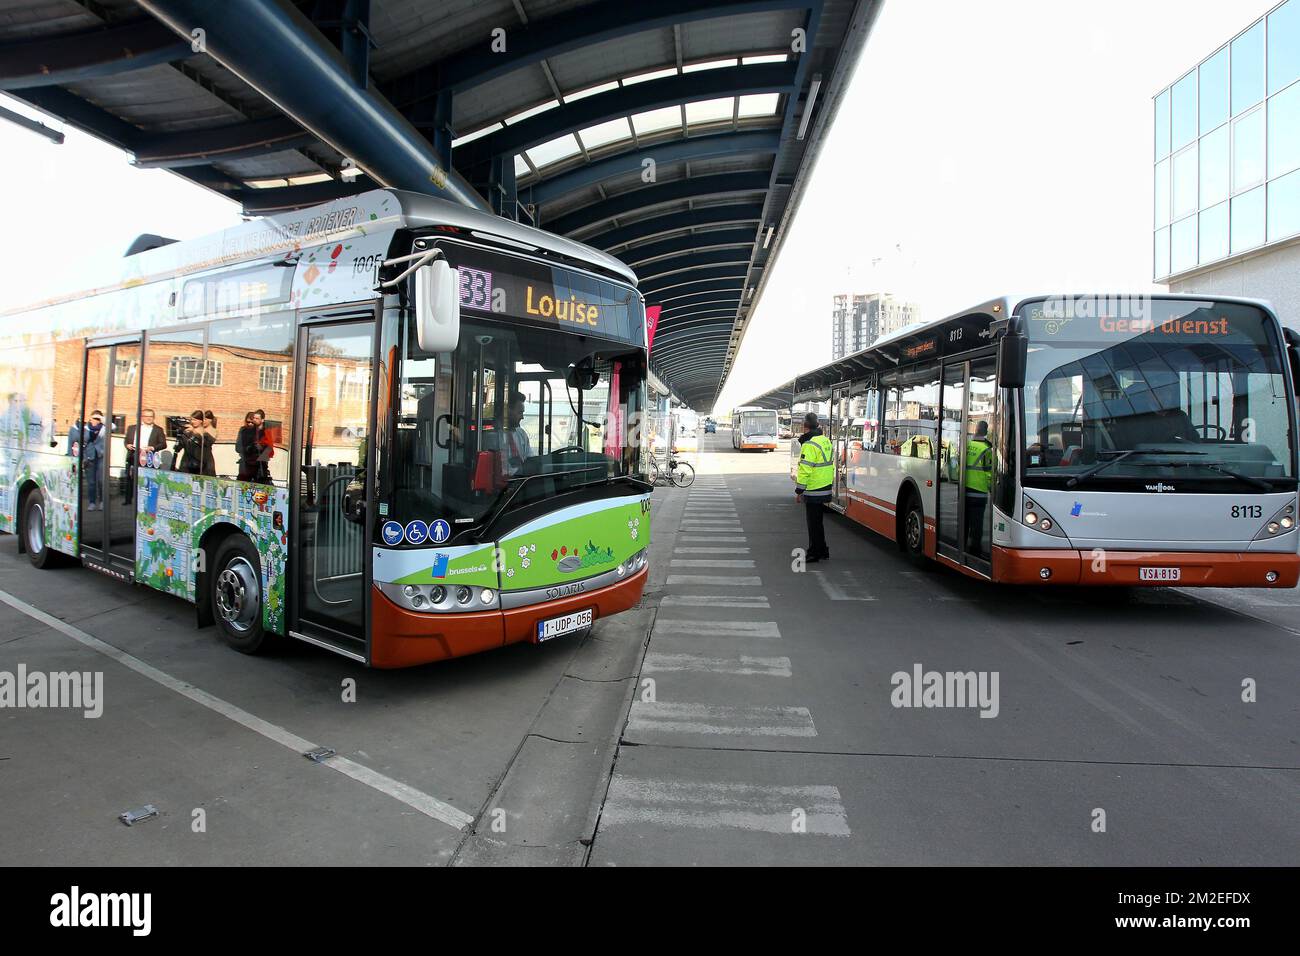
{"x": 859, "y": 320}
{"x": 1227, "y": 169}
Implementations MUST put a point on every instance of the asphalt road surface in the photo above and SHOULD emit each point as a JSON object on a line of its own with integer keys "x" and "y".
{"x": 741, "y": 715}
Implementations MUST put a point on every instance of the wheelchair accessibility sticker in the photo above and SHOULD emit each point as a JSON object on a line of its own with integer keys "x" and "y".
{"x": 417, "y": 532}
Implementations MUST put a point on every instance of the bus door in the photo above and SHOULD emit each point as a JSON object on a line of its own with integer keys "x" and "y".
{"x": 840, "y": 422}
{"x": 965, "y": 462}
{"x": 110, "y": 406}
{"x": 331, "y": 500}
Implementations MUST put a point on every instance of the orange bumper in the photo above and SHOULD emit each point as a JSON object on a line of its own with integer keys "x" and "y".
{"x": 521, "y": 622}
{"x": 402, "y": 638}
{"x": 1203, "y": 569}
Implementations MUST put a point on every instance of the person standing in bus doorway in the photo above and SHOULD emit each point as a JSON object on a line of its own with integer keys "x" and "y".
{"x": 813, "y": 485}
{"x": 979, "y": 482}
{"x": 94, "y": 443}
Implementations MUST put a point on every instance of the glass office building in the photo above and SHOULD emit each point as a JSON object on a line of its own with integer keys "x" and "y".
{"x": 1227, "y": 165}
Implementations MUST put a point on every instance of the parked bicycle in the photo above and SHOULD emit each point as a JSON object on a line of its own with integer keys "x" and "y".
{"x": 677, "y": 472}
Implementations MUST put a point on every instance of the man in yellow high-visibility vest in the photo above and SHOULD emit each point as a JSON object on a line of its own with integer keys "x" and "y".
{"x": 813, "y": 484}
{"x": 979, "y": 482}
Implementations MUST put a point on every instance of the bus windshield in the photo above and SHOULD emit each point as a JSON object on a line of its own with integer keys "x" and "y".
{"x": 530, "y": 412}
{"x": 757, "y": 423}
{"x": 1186, "y": 395}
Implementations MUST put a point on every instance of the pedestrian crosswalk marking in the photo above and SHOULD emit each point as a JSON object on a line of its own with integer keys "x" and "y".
{"x": 713, "y": 805}
{"x": 720, "y": 579}
{"x": 674, "y": 717}
{"x": 717, "y": 628}
{"x": 715, "y": 600}
{"x": 712, "y": 563}
{"x": 743, "y": 666}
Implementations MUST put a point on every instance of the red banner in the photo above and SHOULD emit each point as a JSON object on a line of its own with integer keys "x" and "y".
{"x": 651, "y": 323}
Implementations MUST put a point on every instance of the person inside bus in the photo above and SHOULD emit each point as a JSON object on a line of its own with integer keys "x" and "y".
{"x": 255, "y": 448}
{"x": 143, "y": 442}
{"x": 92, "y": 441}
{"x": 979, "y": 483}
{"x": 194, "y": 446}
{"x": 1153, "y": 422}
{"x": 515, "y": 446}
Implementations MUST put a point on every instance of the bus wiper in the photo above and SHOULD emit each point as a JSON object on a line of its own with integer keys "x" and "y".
{"x": 1248, "y": 479}
{"x": 1120, "y": 455}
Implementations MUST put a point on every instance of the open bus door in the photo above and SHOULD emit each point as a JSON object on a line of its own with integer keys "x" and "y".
{"x": 965, "y": 462}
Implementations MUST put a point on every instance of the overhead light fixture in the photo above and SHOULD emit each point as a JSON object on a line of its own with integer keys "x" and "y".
{"x": 768, "y": 237}
{"x": 750, "y": 293}
{"x": 808, "y": 107}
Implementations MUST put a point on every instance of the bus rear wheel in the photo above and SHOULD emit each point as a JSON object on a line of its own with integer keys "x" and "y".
{"x": 913, "y": 539}
{"x": 236, "y": 595}
{"x": 35, "y": 544}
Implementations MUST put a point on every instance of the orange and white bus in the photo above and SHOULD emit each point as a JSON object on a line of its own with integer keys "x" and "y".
{"x": 1077, "y": 440}
{"x": 753, "y": 428}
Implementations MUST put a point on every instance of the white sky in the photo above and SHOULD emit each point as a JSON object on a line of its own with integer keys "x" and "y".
{"x": 981, "y": 149}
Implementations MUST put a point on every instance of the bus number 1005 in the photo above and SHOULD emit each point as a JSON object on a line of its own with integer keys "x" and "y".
{"x": 1247, "y": 511}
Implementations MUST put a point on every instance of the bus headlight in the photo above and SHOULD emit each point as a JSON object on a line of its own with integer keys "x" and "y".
{"x": 464, "y": 595}
{"x": 1281, "y": 522}
{"x": 1031, "y": 517}
{"x": 487, "y": 596}
{"x": 410, "y": 591}
{"x": 438, "y": 594}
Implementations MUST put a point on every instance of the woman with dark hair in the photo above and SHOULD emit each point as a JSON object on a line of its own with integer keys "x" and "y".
{"x": 249, "y": 448}
{"x": 195, "y": 445}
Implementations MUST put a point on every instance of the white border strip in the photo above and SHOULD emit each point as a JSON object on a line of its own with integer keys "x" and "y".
{"x": 429, "y": 806}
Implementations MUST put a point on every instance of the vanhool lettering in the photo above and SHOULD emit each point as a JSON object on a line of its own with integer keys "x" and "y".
{"x": 571, "y": 309}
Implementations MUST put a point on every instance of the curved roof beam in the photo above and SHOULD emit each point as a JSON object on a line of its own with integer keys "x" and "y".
{"x": 676, "y": 190}
{"x": 631, "y": 159}
{"x": 577, "y": 115}
{"x": 703, "y": 275}
{"x": 554, "y": 36}
{"x": 697, "y": 242}
{"x": 654, "y": 227}
{"x": 688, "y": 261}
{"x": 89, "y": 54}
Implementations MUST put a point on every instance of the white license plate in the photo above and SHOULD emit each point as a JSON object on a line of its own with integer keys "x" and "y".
{"x": 565, "y": 624}
{"x": 1159, "y": 574}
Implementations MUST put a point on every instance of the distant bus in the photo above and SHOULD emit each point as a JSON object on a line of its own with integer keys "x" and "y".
{"x": 753, "y": 428}
{"x": 1143, "y": 441}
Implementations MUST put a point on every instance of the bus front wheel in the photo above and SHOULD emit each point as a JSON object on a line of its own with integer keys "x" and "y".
{"x": 236, "y": 595}
{"x": 913, "y": 540}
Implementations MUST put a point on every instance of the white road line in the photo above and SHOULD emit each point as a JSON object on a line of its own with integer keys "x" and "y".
{"x": 695, "y": 627}
{"x": 716, "y": 600}
{"x": 673, "y": 717}
{"x": 743, "y": 666}
{"x": 761, "y": 808}
{"x": 720, "y": 539}
{"x": 711, "y": 563}
{"x": 423, "y": 802}
{"x": 719, "y": 579}
{"x": 695, "y": 524}
{"x": 710, "y": 550}
{"x": 837, "y": 593}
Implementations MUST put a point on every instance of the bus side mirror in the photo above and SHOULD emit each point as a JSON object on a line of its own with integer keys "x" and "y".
{"x": 437, "y": 307}
{"x": 1013, "y": 357}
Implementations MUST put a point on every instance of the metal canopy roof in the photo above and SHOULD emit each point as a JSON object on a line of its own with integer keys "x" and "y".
{"x": 667, "y": 134}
